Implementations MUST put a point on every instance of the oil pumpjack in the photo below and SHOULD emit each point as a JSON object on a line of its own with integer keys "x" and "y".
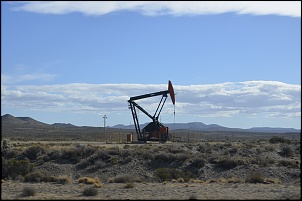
{"x": 154, "y": 131}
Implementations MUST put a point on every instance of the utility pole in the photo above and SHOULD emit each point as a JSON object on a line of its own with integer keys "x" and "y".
{"x": 105, "y": 126}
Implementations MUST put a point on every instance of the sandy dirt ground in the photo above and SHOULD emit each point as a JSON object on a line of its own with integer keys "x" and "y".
{"x": 12, "y": 190}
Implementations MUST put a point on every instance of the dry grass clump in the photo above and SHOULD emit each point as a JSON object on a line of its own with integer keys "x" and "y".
{"x": 273, "y": 180}
{"x": 87, "y": 180}
{"x": 196, "y": 181}
{"x": 228, "y": 180}
{"x": 63, "y": 180}
{"x": 95, "y": 181}
{"x": 98, "y": 185}
{"x": 180, "y": 180}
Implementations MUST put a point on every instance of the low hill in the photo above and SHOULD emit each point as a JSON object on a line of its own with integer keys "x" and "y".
{"x": 9, "y": 119}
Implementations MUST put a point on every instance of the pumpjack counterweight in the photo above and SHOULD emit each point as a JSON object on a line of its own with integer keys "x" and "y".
{"x": 154, "y": 131}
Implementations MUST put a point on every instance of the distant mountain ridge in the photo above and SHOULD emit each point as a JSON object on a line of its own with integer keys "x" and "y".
{"x": 193, "y": 126}
{"x": 198, "y": 126}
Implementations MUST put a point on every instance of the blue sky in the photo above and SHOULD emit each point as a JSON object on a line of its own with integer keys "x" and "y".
{"x": 236, "y": 64}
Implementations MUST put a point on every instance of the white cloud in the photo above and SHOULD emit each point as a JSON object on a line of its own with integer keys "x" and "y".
{"x": 263, "y": 98}
{"x": 177, "y": 8}
{"x": 19, "y": 78}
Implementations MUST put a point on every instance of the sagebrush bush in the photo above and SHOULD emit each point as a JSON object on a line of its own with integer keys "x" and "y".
{"x": 162, "y": 157}
{"x": 90, "y": 191}
{"x": 114, "y": 160}
{"x": 198, "y": 162}
{"x": 255, "y": 177}
{"x": 286, "y": 151}
{"x": 226, "y": 163}
{"x": 34, "y": 151}
{"x": 75, "y": 154}
{"x": 28, "y": 191}
{"x": 10, "y": 153}
{"x": 276, "y": 139}
{"x": 125, "y": 178}
{"x": 36, "y": 176}
{"x": 168, "y": 174}
{"x": 204, "y": 148}
{"x": 44, "y": 176}
{"x": 5, "y": 144}
{"x": 288, "y": 163}
{"x": 169, "y": 157}
{"x": 130, "y": 185}
{"x": 175, "y": 150}
{"x": 146, "y": 154}
{"x": 13, "y": 168}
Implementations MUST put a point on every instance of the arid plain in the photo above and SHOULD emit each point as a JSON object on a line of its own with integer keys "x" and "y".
{"x": 73, "y": 163}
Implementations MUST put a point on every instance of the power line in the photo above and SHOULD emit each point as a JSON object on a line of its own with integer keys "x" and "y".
{"x": 105, "y": 117}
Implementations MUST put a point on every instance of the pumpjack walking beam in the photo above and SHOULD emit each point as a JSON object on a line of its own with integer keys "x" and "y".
{"x": 154, "y": 118}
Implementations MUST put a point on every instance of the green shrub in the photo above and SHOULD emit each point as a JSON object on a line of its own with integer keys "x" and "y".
{"x": 13, "y": 168}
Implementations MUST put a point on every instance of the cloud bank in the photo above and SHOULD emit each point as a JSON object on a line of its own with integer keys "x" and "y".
{"x": 251, "y": 98}
{"x": 154, "y": 8}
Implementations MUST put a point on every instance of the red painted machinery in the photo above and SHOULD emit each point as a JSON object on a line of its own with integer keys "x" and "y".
{"x": 154, "y": 131}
